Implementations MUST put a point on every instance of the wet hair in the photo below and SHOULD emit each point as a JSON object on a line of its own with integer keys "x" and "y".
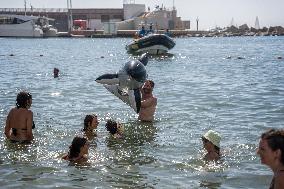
{"x": 275, "y": 140}
{"x": 88, "y": 119}
{"x": 111, "y": 126}
{"x": 151, "y": 83}
{"x": 22, "y": 99}
{"x": 217, "y": 149}
{"x": 76, "y": 145}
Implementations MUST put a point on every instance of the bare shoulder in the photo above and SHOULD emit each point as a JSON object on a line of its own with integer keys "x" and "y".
{"x": 30, "y": 113}
{"x": 12, "y": 111}
{"x": 279, "y": 180}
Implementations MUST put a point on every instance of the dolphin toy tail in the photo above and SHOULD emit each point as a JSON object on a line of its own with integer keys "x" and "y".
{"x": 144, "y": 59}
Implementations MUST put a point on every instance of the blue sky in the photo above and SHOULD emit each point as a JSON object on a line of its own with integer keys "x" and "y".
{"x": 211, "y": 13}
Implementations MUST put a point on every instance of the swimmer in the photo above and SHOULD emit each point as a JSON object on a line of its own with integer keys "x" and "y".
{"x": 211, "y": 143}
{"x": 19, "y": 121}
{"x": 115, "y": 129}
{"x": 55, "y": 72}
{"x": 78, "y": 151}
{"x": 148, "y": 102}
{"x": 90, "y": 125}
{"x": 271, "y": 152}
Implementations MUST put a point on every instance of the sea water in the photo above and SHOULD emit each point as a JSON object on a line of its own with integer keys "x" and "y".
{"x": 232, "y": 85}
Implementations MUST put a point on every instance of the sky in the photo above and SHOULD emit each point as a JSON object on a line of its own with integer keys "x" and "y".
{"x": 211, "y": 13}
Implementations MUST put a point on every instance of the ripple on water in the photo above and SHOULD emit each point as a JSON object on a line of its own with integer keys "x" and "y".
{"x": 197, "y": 86}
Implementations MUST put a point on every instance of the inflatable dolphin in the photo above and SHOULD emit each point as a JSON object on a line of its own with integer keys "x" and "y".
{"x": 127, "y": 82}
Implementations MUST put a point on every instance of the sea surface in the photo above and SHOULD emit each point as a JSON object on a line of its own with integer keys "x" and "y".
{"x": 232, "y": 85}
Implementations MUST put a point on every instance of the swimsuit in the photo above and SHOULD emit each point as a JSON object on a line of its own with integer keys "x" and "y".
{"x": 14, "y": 131}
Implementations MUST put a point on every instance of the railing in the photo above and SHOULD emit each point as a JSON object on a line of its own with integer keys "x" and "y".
{"x": 4, "y": 10}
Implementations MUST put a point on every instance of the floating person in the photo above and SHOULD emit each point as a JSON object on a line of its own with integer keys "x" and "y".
{"x": 127, "y": 82}
{"x": 78, "y": 151}
{"x": 142, "y": 32}
{"x": 90, "y": 125}
{"x": 271, "y": 152}
{"x": 19, "y": 122}
{"x": 55, "y": 72}
{"x": 148, "y": 102}
{"x": 114, "y": 128}
{"x": 211, "y": 142}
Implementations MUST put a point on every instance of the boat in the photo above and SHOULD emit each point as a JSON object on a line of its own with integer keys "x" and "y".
{"x": 19, "y": 26}
{"x": 48, "y": 29}
{"x": 153, "y": 44}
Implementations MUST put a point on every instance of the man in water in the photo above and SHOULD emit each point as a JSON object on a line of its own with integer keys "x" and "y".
{"x": 148, "y": 102}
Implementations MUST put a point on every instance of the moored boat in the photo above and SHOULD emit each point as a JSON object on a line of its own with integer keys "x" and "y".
{"x": 19, "y": 26}
{"x": 152, "y": 44}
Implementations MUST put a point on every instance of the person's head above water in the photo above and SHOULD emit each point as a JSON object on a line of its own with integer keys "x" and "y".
{"x": 113, "y": 127}
{"x": 90, "y": 122}
{"x": 23, "y": 99}
{"x": 78, "y": 147}
{"x": 213, "y": 137}
{"x": 55, "y": 72}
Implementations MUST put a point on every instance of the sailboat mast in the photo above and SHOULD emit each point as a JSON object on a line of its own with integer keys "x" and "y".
{"x": 25, "y": 3}
{"x": 70, "y": 17}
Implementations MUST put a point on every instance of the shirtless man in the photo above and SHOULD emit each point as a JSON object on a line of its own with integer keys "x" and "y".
{"x": 19, "y": 121}
{"x": 148, "y": 102}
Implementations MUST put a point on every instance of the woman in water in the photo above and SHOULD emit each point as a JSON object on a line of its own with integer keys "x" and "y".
{"x": 211, "y": 143}
{"x": 90, "y": 125}
{"x": 78, "y": 151}
{"x": 19, "y": 122}
{"x": 271, "y": 152}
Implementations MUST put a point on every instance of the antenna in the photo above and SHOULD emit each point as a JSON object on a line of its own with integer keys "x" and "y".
{"x": 197, "y": 21}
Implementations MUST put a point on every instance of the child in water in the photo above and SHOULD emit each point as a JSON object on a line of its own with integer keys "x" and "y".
{"x": 78, "y": 151}
{"x": 211, "y": 143}
{"x": 116, "y": 129}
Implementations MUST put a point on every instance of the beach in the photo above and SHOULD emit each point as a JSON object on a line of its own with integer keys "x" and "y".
{"x": 232, "y": 85}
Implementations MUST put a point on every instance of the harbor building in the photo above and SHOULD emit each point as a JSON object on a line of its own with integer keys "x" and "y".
{"x": 130, "y": 17}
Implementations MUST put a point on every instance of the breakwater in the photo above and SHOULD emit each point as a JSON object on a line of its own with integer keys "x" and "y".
{"x": 229, "y": 32}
